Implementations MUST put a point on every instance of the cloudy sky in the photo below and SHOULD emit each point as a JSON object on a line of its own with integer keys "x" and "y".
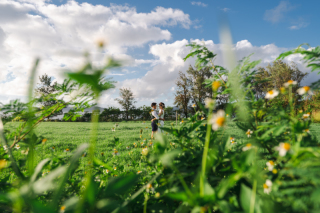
{"x": 150, "y": 36}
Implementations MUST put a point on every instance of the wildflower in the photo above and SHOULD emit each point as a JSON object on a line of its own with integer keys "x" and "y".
{"x": 107, "y": 171}
{"x": 53, "y": 148}
{"x": 282, "y": 90}
{"x": 67, "y": 150}
{"x": 145, "y": 151}
{"x": 141, "y": 143}
{"x": 249, "y": 133}
{"x": 3, "y": 163}
{"x": 149, "y": 188}
{"x": 115, "y": 168}
{"x": 25, "y": 152}
{"x": 140, "y": 136}
{"x": 227, "y": 115}
{"x": 62, "y": 209}
{"x": 233, "y": 142}
{"x": 181, "y": 122}
{"x": 271, "y": 94}
{"x": 146, "y": 127}
{"x": 218, "y": 120}
{"x": 202, "y": 118}
{"x": 303, "y": 90}
{"x": 247, "y": 147}
{"x": 97, "y": 179}
{"x": 232, "y": 139}
{"x": 5, "y": 147}
{"x": 283, "y": 148}
{"x": 290, "y": 82}
{"x": 209, "y": 102}
{"x": 157, "y": 195}
{"x": 17, "y": 146}
{"x": 270, "y": 165}
{"x": 144, "y": 140}
{"x": 216, "y": 85}
{"x": 194, "y": 105}
{"x": 44, "y": 141}
{"x": 116, "y": 152}
{"x": 267, "y": 186}
{"x": 139, "y": 172}
{"x": 274, "y": 171}
{"x": 150, "y": 144}
{"x": 306, "y": 130}
{"x": 113, "y": 129}
{"x": 306, "y": 116}
{"x": 128, "y": 147}
{"x": 102, "y": 154}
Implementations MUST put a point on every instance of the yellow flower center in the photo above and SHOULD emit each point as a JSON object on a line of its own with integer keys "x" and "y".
{"x": 274, "y": 171}
{"x": 270, "y": 92}
{"x": 306, "y": 88}
{"x": 44, "y": 140}
{"x": 63, "y": 208}
{"x": 216, "y": 85}
{"x": 290, "y": 81}
{"x": 286, "y": 146}
{"x": 220, "y": 121}
{"x": 265, "y": 186}
{"x": 249, "y": 145}
{"x": 116, "y": 152}
{"x": 3, "y": 163}
{"x": 67, "y": 150}
{"x": 271, "y": 162}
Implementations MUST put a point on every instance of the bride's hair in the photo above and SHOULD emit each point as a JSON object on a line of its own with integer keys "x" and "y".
{"x": 162, "y": 105}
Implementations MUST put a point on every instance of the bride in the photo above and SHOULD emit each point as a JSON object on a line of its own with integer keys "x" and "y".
{"x": 161, "y": 115}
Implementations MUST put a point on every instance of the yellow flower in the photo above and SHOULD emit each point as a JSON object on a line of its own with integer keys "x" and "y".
{"x": 157, "y": 195}
{"x": 282, "y": 90}
{"x": 67, "y": 150}
{"x": 140, "y": 136}
{"x": 218, "y": 120}
{"x": 3, "y": 163}
{"x": 216, "y": 85}
{"x": 274, "y": 171}
{"x": 44, "y": 140}
{"x": 290, "y": 82}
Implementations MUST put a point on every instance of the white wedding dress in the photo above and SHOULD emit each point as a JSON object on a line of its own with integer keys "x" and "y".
{"x": 161, "y": 121}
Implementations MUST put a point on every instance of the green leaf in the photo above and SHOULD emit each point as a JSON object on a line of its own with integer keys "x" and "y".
{"x": 120, "y": 185}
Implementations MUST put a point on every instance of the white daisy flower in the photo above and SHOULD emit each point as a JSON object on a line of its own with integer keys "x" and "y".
{"x": 306, "y": 130}
{"x": 283, "y": 148}
{"x": 116, "y": 152}
{"x": 208, "y": 102}
{"x": 115, "y": 168}
{"x": 25, "y": 152}
{"x": 267, "y": 186}
{"x": 107, "y": 171}
{"x": 145, "y": 151}
{"x": 113, "y": 129}
{"x": 249, "y": 133}
{"x": 194, "y": 105}
{"x": 272, "y": 94}
{"x": 290, "y": 82}
{"x": 270, "y": 165}
{"x": 5, "y": 147}
{"x": 202, "y": 118}
{"x": 306, "y": 116}
{"x": 62, "y": 209}
{"x": 304, "y": 90}
{"x": 181, "y": 122}
{"x": 232, "y": 139}
{"x": 218, "y": 120}
{"x": 128, "y": 147}
{"x": 233, "y": 142}
{"x": 149, "y": 188}
{"x": 139, "y": 172}
{"x": 17, "y": 146}
{"x": 247, "y": 147}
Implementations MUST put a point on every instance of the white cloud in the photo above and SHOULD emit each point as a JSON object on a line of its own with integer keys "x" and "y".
{"x": 225, "y": 9}
{"x": 60, "y": 34}
{"x": 199, "y": 3}
{"x": 300, "y": 23}
{"x": 277, "y": 14}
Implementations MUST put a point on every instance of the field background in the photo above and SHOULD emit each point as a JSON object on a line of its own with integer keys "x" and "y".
{"x": 69, "y": 135}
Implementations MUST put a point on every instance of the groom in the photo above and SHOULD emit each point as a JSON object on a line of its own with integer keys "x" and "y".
{"x": 156, "y": 117}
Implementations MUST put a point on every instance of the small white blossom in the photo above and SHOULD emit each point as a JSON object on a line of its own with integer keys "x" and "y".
{"x": 17, "y": 146}
{"x": 304, "y": 90}
{"x": 218, "y": 120}
{"x": 247, "y": 147}
{"x": 272, "y": 94}
{"x": 267, "y": 186}
{"x": 270, "y": 165}
{"x": 208, "y": 102}
{"x": 283, "y": 148}
{"x": 290, "y": 82}
{"x": 249, "y": 133}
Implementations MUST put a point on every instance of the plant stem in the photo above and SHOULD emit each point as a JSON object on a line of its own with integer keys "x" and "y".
{"x": 145, "y": 204}
{"x": 253, "y": 196}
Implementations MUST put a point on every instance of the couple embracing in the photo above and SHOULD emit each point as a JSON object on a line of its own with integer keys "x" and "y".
{"x": 157, "y": 116}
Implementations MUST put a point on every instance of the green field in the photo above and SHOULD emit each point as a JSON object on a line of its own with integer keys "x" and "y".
{"x": 65, "y": 135}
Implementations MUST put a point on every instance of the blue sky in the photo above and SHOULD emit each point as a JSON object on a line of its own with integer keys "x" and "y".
{"x": 149, "y": 35}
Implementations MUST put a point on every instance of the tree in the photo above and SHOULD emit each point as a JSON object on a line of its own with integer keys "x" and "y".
{"x": 198, "y": 89}
{"x": 45, "y": 90}
{"x": 126, "y": 101}
{"x": 183, "y": 94}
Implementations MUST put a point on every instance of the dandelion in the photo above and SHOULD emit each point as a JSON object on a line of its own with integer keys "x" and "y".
{"x": 270, "y": 165}
{"x": 67, "y": 150}
{"x": 271, "y": 94}
{"x": 209, "y": 102}
{"x": 267, "y": 186}
{"x": 3, "y": 163}
{"x": 62, "y": 209}
{"x": 44, "y": 141}
{"x": 145, "y": 151}
{"x": 306, "y": 130}
{"x": 52, "y": 148}
{"x": 17, "y": 146}
{"x": 149, "y": 188}
{"x": 283, "y": 148}
{"x": 306, "y": 116}
{"x": 247, "y": 147}
{"x": 194, "y": 105}
{"x": 290, "y": 82}
{"x": 249, "y": 133}
{"x": 113, "y": 129}
{"x": 218, "y": 120}
{"x": 304, "y": 90}
{"x": 116, "y": 152}
{"x": 216, "y": 85}
{"x": 139, "y": 172}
